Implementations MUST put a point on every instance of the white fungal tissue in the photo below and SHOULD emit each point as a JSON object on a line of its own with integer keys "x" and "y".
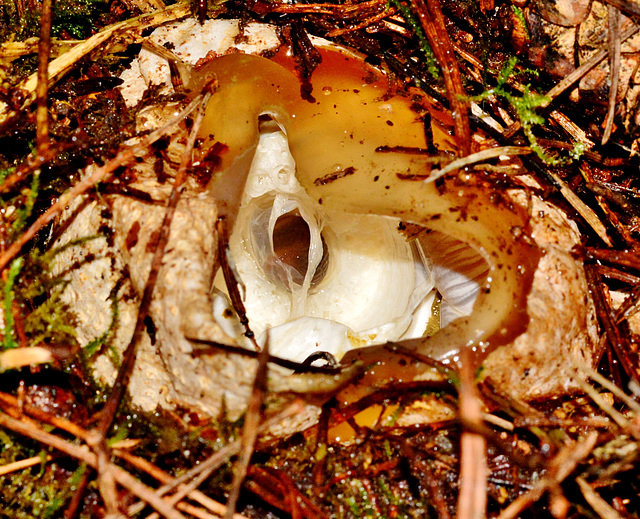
{"x": 331, "y": 281}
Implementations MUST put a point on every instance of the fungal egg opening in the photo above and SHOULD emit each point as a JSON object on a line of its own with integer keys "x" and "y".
{"x": 321, "y": 280}
{"x": 291, "y": 244}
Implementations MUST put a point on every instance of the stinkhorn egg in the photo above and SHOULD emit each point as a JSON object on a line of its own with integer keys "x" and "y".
{"x": 334, "y": 249}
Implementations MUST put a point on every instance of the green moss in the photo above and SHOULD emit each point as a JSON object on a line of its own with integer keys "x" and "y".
{"x": 4, "y": 173}
{"x": 37, "y": 491}
{"x": 526, "y": 106}
{"x": 105, "y": 341}
{"x": 376, "y": 499}
{"x": 411, "y": 19}
{"x": 35, "y": 293}
{"x": 8, "y": 300}
{"x": 25, "y": 210}
{"x": 71, "y": 19}
{"x": 520, "y": 15}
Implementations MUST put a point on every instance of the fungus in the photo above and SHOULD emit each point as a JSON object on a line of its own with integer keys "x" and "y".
{"x": 355, "y": 113}
{"x": 306, "y": 186}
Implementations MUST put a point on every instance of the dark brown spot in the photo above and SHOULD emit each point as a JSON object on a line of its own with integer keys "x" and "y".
{"x": 409, "y": 176}
{"x": 153, "y": 241}
{"x": 158, "y": 169}
{"x": 151, "y": 329}
{"x": 209, "y": 163}
{"x": 407, "y": 150}
{"x": 332, "y": 177}
{"x": 161, "y": 144}
{"x": 107, "y": 232}
{"x": 132, "y": 236}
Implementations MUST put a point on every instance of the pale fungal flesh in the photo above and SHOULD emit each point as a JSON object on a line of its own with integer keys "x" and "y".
{"x": 333, "y": 173}
{"x": 328, "y": 281}
{"x": 354, "y": 115}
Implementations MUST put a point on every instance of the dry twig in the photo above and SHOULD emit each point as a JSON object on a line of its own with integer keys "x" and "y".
{"x": 613, "y": 39}
{"x": 472, "y": 499}
{"x": 432, "y": 21}
{"x": 44, "y": 49}
{"x": 250, "y": 429}
{"x": 81, "y": 453}
{"x": 87, "y": 183}
{"x": 559, "y": 468}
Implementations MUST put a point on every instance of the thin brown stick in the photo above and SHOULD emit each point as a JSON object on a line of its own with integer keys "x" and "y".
{"x": 603, "y": 509}
{"x": 73, "y": 508}
{"x": 13, "y": 407}
{"x": 8, "y": 468}
{"x": 32, "y": 163}
{"x": 250, "y": 429}
{"x": 44, "y": 50}
{"x": 194, "y": 511}
{"x": 106, "y": 476}
{"x": 230, "y": 279}
{"x": 578, "y": 73}
{"x": 604, "y": 312}
{"x": 479, "y": 156}
{"x": 620, "y": 258}
{"x": 99, "y": 174}
{"x": 81, "y": 453}
{"x": 558, "y": 470}
{"x": 589, "y": 215}
{"x": 365, "y": 23}
{"x": 610, "y": 386}
{"x": 129, "y": 355}
{"x": 347, "y": 10}
{"x": 432, "y": 21}
{"x": 626, "y": 6}
{"x": 613, "y": 273}
{"x": 613, "y": 39}
{"x": 472, "y": 499}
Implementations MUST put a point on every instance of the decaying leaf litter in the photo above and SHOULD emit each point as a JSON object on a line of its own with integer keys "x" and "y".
{"x": 570, "y": 456}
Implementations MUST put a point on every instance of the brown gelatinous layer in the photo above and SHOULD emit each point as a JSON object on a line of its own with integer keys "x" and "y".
{"x": 356, "y": 112}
